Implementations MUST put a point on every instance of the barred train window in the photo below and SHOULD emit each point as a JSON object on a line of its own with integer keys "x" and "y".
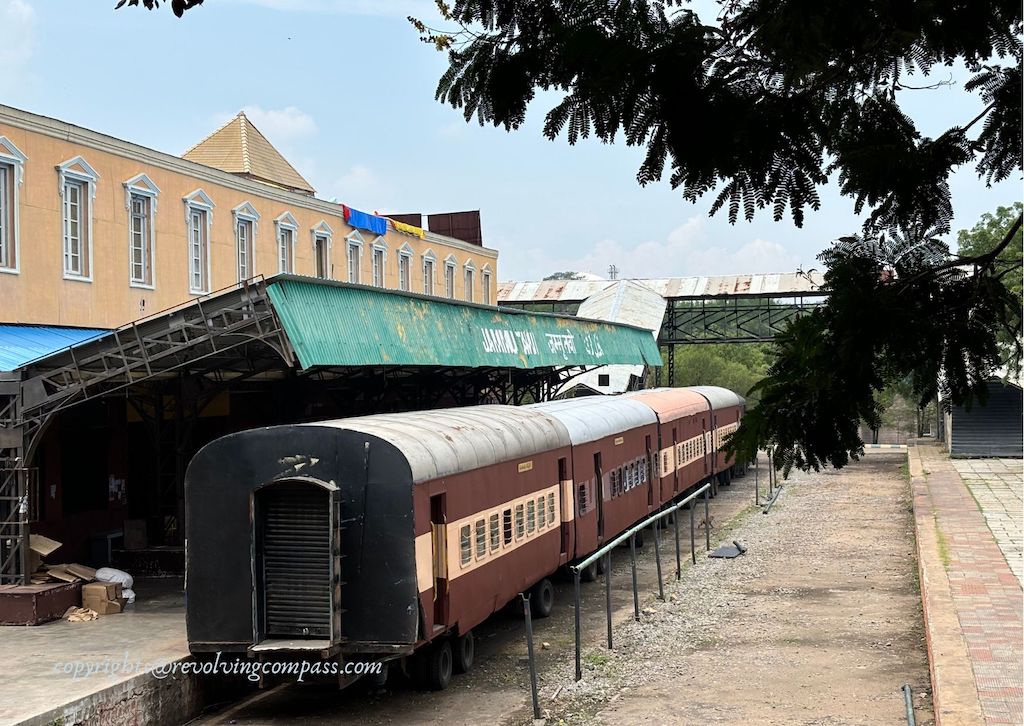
{"x": 465, "y": 546}
{"x": 531, "y": 516}
{"x": 542, "y": 518}
{"x": 551, "y": 508}
{"x": 583, "y": 498}
{"x": 664, "y": 461}
{"x": 506, "y": 518}
{"x": 519, "y": 521}
{"x": 495, "y": 532}
{"x": 481, "y": 538}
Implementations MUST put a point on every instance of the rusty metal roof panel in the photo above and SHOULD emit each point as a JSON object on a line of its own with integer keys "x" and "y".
{"x": 448, "y": 441}
{"x": 590, "y": 418}
{"x": 671, "y": 403}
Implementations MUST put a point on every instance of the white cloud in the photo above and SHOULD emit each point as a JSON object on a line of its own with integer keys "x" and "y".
{"x": 686, "y": 251}
{"x": 17, "y": 18}
{"x": 360, "y": 187}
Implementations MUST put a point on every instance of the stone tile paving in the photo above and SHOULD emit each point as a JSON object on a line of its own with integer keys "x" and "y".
{"x": 997, "y": 485}
{"x": 986, "y": 593}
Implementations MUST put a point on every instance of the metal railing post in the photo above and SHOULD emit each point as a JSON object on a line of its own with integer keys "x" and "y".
{"x": 530, "y": 657}
{"x": 757, "y": 491}
{"x": 579, "y": 664}
{"x": 707, "y": 522}
{"x": 679, "y": 564}
{"x": 632, "y": 562}
{"x": 657, "y": 559}
{"x": 608, "y": 594}
{"x": 693, "y": 544}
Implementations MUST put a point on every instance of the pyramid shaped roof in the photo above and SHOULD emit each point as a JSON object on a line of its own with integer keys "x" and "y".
{"x": 238, "y": 147}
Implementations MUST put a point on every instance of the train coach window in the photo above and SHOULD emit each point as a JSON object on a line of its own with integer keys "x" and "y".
{"x": 583, "y": 498}
{"x": 481, "y": 538}
{"x": 506, "y": 517}
{"x": 520, "y": 529}
{"x": 495, "y": 532}
{"x": 465, "y": 545}
{"x": 664, "y": 461}
{"x": 531, "y": 516}
{"x": 551, "y": 508}
{"x": 542, "y": 518}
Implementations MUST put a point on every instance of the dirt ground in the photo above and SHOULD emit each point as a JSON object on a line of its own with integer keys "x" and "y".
{"x": 819, "y": 623}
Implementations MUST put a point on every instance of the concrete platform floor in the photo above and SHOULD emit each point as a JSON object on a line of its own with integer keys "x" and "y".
{"x": 38, "y": 664}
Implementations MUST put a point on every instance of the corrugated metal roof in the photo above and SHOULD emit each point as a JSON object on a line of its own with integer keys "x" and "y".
{"x": 785, "y": 283}
{"x": 334, "y": 324}
{"x": 671, "y": 403}
{"x": 439, "y": 443}
{"x": 20, "y": 344}
{"x": 719, "y": 397}
{"x": 625, "y": 301}
{"x": 590, "y": 418}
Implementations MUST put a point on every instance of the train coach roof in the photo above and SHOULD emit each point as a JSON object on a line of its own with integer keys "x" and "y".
{"x": 719, "y": 397}
{"x": 671, "y": 403}
{"x": 446, "y": 441}
{"x": 590, "y": 418}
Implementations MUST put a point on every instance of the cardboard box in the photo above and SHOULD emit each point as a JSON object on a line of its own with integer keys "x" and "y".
{"x": 103, "y": 597}
{"x": 39, "y": 547}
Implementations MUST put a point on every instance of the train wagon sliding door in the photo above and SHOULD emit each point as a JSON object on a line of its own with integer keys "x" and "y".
{"x": 293, "y": 544}
{"x": 439, "y": 542}
{"x": 565, "y": 492}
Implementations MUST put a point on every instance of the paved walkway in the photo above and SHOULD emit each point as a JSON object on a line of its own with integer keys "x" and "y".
{"x": 997, "y": 485}
{"x": 972, "y": 598}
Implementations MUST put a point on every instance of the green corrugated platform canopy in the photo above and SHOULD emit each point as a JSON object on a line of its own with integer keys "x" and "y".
{"x": 334, "y": 324}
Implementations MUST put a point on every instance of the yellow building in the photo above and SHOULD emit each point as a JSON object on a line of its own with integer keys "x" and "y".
{"x": 97, "y": 232}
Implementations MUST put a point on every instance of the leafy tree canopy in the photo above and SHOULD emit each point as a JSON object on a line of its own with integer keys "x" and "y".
{"x": 567, "y": 275}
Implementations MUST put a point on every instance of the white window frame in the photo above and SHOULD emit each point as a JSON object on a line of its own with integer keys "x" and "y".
{"x": 141, "y": 185}
{"x": 78, "y": 171}
{"x": 428, "y": 281}
{"x": 378, "y": 262}
{"x": 245, "y": 214}
{"x": 323, "y": 231}
{"x": 353, "y": 243}
{"x": 12, "y": 158}
{"x": 286, "y": 223}
{"x": 485, "y": 284}
{"x": 405, "y": 255}
{"x": 450, "y": 265}
{"x": 200, "y": 202}
{"x": 469, "y": 280}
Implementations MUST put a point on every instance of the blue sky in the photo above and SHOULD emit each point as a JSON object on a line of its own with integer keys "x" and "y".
{"x": 345, "y": 89}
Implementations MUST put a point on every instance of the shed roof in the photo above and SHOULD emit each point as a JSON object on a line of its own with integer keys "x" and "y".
{"x": 20, "y": 344}
{"x": 439, "y": 443}
{"x": 719, "y": 397}
{"x": 337, "y": 324}
{"x": 590, "y": 418}
{"x": 238, "y": 147}
{"x": 671, "y": 403}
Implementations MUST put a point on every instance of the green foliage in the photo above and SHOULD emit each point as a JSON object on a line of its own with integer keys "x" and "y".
{"x": 750, "y": 105}
{"x": 736, "y": 366}
{"x": 899, "y": 308}
{"x": 567, "y": 275}
{"x": 178, "y": 7}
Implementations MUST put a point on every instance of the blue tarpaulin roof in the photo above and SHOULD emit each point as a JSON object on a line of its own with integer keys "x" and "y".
{"x": 20, "y": 344}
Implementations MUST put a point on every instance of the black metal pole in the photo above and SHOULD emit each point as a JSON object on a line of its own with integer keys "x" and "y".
{"x": 679, "y": 564}
{"x": 908, "y": 702}
{"x": 632, "y": 562}
{"x": 608, "y": 594}
{"x": 707, "y": 522}
{"x": 693, "y": 546}
{"x": 657, "y": 559}
{"x": 529, "y": 656}
{"x": 757, "y": 491}
{"x": 579, "y": 665}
